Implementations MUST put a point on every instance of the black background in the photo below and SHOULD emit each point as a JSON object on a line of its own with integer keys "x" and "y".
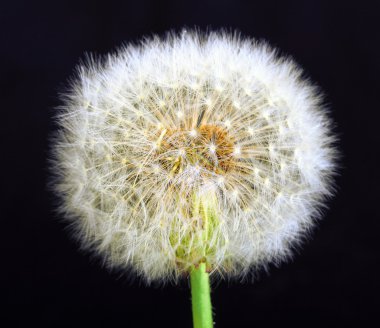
{"x": 46, "y": 281}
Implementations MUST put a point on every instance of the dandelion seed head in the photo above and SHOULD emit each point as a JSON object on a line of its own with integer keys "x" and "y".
{"x": 193, "y": 148}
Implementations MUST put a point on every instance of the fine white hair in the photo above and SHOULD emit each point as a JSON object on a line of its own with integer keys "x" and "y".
{"x": 192, "y": 148}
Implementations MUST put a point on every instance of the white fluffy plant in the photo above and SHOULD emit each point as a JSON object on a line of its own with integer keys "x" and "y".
{"x": 194, "y": 154}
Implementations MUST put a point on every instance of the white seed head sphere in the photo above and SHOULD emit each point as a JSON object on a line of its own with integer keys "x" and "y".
{"x": 192, "y": 148}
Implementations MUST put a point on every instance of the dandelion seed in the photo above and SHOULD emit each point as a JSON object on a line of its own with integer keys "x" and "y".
{"x": 220, "y": 181}
{"x": 237, "y": 150}
{"x": 208, "y": 102}
{"x": 156, "y": 169}
{"x": 236, "y": 104}
{"x": 193, "y": 133}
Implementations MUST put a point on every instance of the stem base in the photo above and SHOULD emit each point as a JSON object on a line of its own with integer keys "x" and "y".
{"x": 200, "y": 297}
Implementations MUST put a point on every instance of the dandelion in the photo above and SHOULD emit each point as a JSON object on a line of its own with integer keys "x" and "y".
{"x": 193, "y": 154}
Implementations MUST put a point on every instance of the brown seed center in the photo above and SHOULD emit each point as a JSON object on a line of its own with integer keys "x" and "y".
{"x": 209, "y": 146}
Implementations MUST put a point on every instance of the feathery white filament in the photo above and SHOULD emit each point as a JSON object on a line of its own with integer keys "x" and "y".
{"x": 193, "y": 148}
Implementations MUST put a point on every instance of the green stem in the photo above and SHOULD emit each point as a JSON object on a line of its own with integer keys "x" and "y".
{"x": 200, "y": 297}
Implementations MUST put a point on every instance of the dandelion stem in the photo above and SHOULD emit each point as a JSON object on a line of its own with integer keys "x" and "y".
{"x": 200, "y": 297}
